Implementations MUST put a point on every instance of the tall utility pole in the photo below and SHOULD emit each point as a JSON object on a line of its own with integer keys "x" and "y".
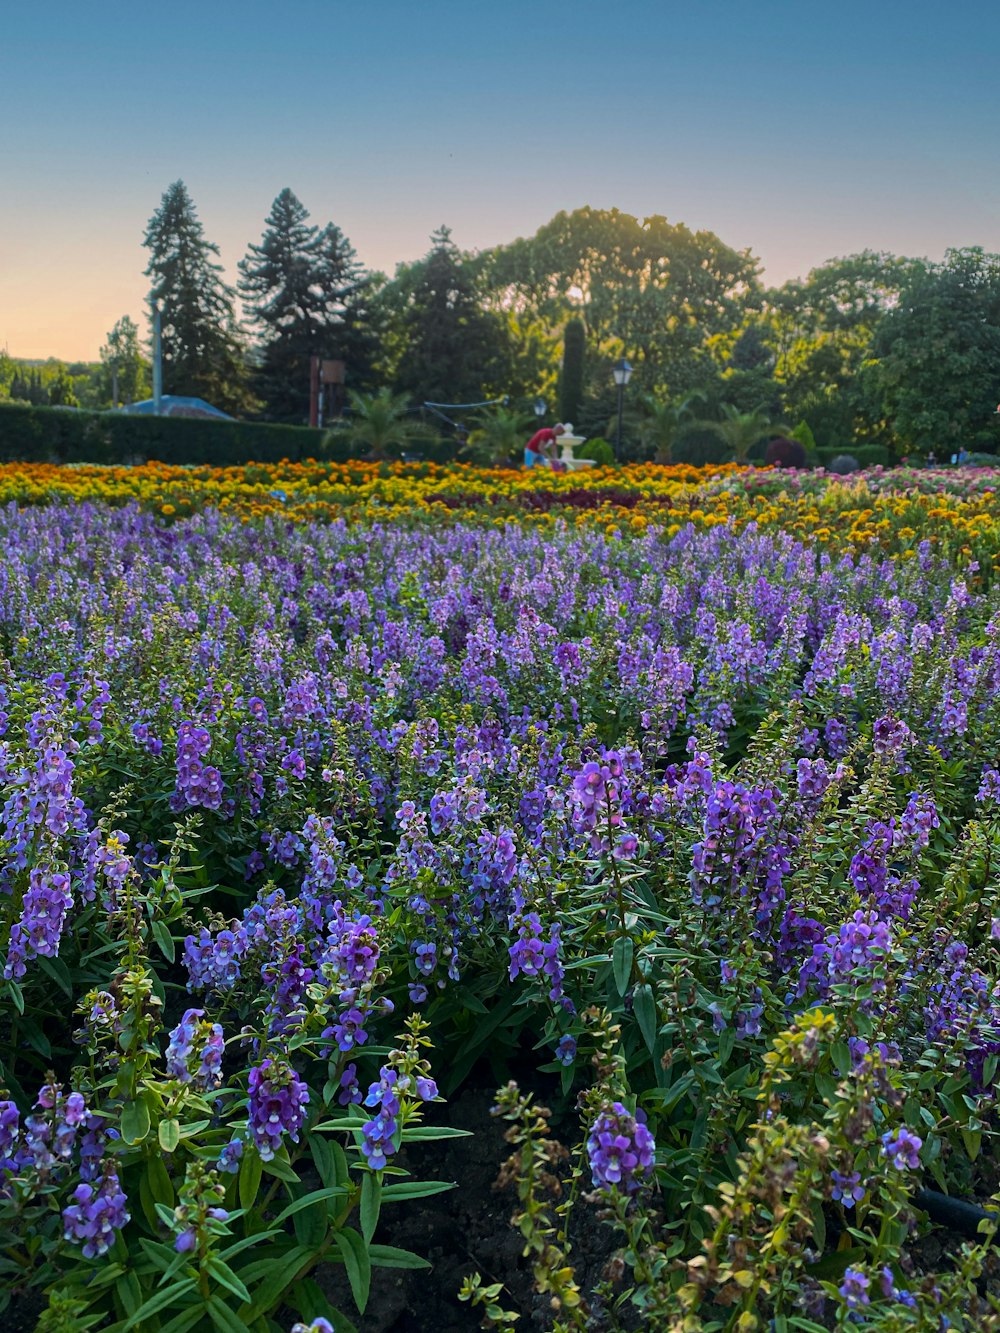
{"x": 157, "y": 359}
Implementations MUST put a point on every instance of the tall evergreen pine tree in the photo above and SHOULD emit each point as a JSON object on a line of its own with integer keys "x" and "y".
{"x": 307, "y": 294}
{"x": 452, "y": 344}
{"x": 203, "y": 353}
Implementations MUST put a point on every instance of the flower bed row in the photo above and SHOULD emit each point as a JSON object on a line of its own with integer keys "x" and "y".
{"x": 305, "y": 823}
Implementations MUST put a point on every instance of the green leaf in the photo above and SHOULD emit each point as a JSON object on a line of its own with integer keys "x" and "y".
{"x": 225, "y": 1276}
{"x": 248, "y": 1242}
{"x": 414, "y": 1189}
{"x": 371, "y": 1203}
{"x": 251, "y": 1171}
{"x": 58, "y": 971}
{"x": 128, "y": 1291}
{"x": 169, "y": 1134}
{"x": 135, "y": 1121}
{"x": 17, "y": 995}
{"x": 222, "y": 1317}
{"x": 834, "y": 1265}
{"x": 165, "y": 940}
{"x": 359, "y": 1269}
{"x": 280, "y": 1168}
{"x": 388, "y": 1256}
{"x": 419, "y": 1133}
{"x": 322, "y": 1154}
{"x": 160, "y": 1301}
{"x": 270, "y": 1279}
{"x": 819, "y": 1226}
{"x": 312, "y": 1224}
{"x": 185, "y": 1320}
{"x": 644, "y": 1006}
{"x": 622, "y": 955}
{"x": 315, "y": 1196}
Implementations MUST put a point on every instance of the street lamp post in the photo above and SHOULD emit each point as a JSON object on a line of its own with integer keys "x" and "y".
{"x": 622, "y": 372}
{"x": 539, "y": 409}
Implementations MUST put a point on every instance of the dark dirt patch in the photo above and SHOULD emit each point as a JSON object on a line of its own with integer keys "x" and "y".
{"x": 464, "y": 1231}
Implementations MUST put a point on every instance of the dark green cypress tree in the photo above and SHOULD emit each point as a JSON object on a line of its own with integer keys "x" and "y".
{"x": 571, "y": 378}
{"x": 203, "y": 352}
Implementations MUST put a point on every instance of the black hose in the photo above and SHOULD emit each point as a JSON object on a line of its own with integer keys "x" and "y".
{"x": 957, "y": 1214}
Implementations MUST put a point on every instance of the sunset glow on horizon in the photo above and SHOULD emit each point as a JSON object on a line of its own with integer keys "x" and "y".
{"x": 799, "y": 133}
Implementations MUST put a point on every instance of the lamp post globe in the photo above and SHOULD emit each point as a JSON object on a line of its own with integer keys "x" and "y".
{"x": 622, "y": 373}
{"x": 539, "y": 409}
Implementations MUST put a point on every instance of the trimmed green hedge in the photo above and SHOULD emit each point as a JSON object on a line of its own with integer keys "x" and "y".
{"x": 54, "y": 435}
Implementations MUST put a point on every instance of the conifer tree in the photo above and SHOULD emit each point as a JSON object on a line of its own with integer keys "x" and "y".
{"x": 203, "y": 353}
{"x": 451, "y": 345}
{"x": 306, "y": 293}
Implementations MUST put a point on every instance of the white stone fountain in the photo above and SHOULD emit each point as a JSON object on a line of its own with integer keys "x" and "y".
{"x": 568, "y": 442}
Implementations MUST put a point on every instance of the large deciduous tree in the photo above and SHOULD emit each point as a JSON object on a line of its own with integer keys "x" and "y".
{"x": 202, "y": 347}
{"x": 821, "y": 328}
{"x": 124, "y": 375}
{"x": 650, "y": 288}
{"x": 307, "y": 295}
{"x": 935, "y": 355}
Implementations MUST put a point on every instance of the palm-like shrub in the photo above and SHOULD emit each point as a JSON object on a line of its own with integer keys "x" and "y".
{"x": 740, "y": 431}
{"x": 663, "y": 423}
{"x": 379, "y": 423}
{"x": 499, "y": 436}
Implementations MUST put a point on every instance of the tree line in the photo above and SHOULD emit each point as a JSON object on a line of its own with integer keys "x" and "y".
{"x": 872, "y": 348}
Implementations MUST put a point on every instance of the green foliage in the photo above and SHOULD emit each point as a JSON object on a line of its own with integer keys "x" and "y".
{"x": 663, "y": 423}
{"x": 599, "y": 450}
{"x": 805, "y": 437}
{"x": 571, "y": 379}
{"x": 499, "y": 436}
{"x": 307, "y": 295}
{"x": 126, "y": 376}
{"x": 739, "y": 431}
{"x": 932, "y": 365}
{"x": 378, "y": 426}
{"x": 648, "y": 287}
{"x": 203, "y": 351}
{"x": 29, "y": 434}
{"x": 449, "y": 348}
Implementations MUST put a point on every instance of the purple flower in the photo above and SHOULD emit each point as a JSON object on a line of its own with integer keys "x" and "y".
{"x": 319, "y": 1325}
{"x": 620, "y": 1149}
{"x": 378, "y": 1133}
{"x": 43, "y": 916}
{"x": 847, "y": 1188}
{"x": 427, "y": 1089}
{"x": 193, "y": 1039}
{"x": 854, "y": 1289}
{"x": 95, "y": 1215}
{"x": 566, "y": 1050}
{"x": 887, "y": 1283}
{"x": 10, "y": 1125}
{"x": 902, "y": 1149}
{"x": 229, "y": 1158}
{"x": 531, "y": 955}
{"x": 278, "y": 1100}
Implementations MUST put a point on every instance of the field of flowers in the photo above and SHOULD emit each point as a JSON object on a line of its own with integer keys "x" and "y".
{"x": 886, "y": 511}
{"x": 332, "y": 792}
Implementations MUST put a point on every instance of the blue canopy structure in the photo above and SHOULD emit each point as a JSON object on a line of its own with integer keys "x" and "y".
{"x": 173, "y": 406}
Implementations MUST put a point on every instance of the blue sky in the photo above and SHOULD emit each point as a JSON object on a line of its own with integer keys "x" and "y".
{"x": 801, "y": 130}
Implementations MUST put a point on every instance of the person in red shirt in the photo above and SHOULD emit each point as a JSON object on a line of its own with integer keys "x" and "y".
{"x": 540, "y": 449}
